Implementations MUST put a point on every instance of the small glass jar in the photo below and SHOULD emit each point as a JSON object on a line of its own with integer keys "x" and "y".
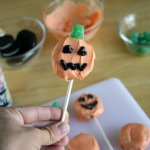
{"x": 136, "y": 23}
{"x": 12, "y": 26}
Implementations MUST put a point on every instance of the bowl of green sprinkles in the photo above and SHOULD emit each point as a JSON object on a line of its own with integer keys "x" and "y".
{"x": 134, "y": 30}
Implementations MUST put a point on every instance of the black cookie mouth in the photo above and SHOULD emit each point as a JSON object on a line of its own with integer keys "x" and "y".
{"x": 73, "y": 66}
{"x": 90, "y": 105}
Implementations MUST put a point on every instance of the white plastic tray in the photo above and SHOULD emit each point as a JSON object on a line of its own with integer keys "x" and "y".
{"x": 120, "y": 109}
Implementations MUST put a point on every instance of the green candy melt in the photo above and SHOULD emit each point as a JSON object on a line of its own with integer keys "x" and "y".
{"x": 77, "y": 32}
{"x": 56, "y": 104}
{"x": 134, "y": 35}
{"x": 140, "y": 38}
{"x": 142, "y": 41}
{"x": 147, "y": 35}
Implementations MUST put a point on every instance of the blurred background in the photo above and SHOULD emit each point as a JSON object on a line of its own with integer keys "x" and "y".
{"x": 35, "y": 83}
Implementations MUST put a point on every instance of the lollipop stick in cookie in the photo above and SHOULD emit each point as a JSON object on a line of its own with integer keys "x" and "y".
{"x": 72, "y": 58}
{"x": 67, "y": 100}
{"x": 103, "y": 134}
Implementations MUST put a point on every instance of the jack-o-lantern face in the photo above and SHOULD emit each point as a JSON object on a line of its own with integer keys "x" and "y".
{"x": 73, "y": 58}
{"x": 134, "y": 136}
{"x": 88, "y": 106}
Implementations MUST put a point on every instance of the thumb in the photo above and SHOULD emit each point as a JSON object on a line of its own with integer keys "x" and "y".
{"x": 53, "y": 133}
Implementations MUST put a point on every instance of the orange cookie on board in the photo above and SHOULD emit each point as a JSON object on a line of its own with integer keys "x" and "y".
{"x": 88, "y": 106}
{"x": 134, "y": 136}
{"x": 83, "y": 141}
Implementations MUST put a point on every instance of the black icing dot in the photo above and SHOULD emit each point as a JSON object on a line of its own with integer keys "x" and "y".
{"x": 72, "y": 66}
{"x": 81, "y": 99}
{"x": 94, "y": 103}
{"x": 81, "y": 67}
{"x": 90, "y": 96}
{"x": 64, "y": 65}
{"x": 82, "y": 51}
{"x": 67, "y": 49}
{"x": 90, "y": 105}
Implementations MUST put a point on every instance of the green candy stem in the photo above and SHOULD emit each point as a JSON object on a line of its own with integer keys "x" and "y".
{"x": 77, "y": 32}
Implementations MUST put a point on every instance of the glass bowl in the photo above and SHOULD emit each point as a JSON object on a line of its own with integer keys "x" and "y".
{"x": 134, "y": 30}
{"x": 61, "y": 15}
{"x": 12, "y": 26}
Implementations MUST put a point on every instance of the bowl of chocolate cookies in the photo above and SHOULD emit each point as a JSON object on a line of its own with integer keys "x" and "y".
{"x": 21, "y": 38}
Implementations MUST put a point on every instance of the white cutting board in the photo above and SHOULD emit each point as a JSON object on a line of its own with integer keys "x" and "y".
{"x": 120, "y": 109}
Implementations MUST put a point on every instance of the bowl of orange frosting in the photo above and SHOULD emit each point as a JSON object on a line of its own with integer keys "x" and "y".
{"x": 61, "y": 15}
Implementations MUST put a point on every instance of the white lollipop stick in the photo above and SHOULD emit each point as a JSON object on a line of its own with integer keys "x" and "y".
{"x": 103, "y": 134}
{"x": 67, "y": 100}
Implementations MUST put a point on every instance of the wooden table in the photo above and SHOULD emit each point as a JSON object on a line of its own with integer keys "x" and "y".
{"x": 36, "y": 83}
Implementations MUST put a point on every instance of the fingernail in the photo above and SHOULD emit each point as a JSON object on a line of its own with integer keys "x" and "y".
{"x": 63, "y": 129}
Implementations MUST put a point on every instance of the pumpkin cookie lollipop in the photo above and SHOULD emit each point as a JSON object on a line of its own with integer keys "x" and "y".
{"x": 72, "y": 58}
{"x": 88, "y": 106}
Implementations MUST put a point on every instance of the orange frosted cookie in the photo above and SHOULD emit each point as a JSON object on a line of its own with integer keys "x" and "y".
{"x": 72, "y": 57}
{"x": 83, "y": 141}
{"x": 134, "y": 136}
{"x": 88, "y": 106}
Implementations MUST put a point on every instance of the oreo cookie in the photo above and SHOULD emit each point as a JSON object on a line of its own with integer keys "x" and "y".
{"x": 10, "y": 47}
{"x": 26, "y": 40}
{"x": 11, "y": 51}
{"x": 6, "y": 42}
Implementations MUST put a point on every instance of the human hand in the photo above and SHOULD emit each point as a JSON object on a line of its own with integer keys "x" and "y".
{"x": 15, "y": 133}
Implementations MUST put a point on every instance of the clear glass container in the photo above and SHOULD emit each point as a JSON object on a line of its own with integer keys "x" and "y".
{"x": 60, "y": 16}
{"x": 139, "y": 23}
{"x": 12, "y": 26}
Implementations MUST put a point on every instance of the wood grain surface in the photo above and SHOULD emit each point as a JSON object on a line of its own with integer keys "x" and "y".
{"x": 35, "y": 83}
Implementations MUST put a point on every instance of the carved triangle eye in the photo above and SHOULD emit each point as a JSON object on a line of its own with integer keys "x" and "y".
{"x": 82, "y": 51}
{"x": 67, "y": 49}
